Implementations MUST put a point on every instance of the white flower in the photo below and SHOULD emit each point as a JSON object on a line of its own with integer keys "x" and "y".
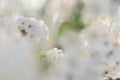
{"x": 50, "y": 58}
{"x": 104, "y": 47}
{"x": 32, "y": 29}
{"x": 55, "y": 54}
{"x": 2, "y": 3}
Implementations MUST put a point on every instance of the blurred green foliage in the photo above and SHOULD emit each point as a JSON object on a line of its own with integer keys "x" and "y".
{"x": 74, "y": 23}
{"x": 44, "y": 61}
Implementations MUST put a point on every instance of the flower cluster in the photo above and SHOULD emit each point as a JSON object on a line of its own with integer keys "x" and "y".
{"x": 55, "y": 54}
{"x": 49, "y": 58}
{"x": 31, "y": 28}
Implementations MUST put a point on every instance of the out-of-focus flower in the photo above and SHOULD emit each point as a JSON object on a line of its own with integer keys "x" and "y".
{"x": 104, "y": 47}
{"x": 50, "y": 57}
{"x": 32, "y": 29}
{"x": 2, "y": 3}
{"x": 55, "y": 54}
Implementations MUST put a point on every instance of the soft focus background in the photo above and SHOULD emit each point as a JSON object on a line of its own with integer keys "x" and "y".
{"x": 69, "y": 39}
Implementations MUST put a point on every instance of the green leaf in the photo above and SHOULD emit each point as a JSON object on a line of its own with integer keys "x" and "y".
{"x": 74, "y": 23}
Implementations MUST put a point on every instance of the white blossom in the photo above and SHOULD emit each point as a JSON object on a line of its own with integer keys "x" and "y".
{"x": 55, "y": 54}
{"x": 32, "y": 29}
